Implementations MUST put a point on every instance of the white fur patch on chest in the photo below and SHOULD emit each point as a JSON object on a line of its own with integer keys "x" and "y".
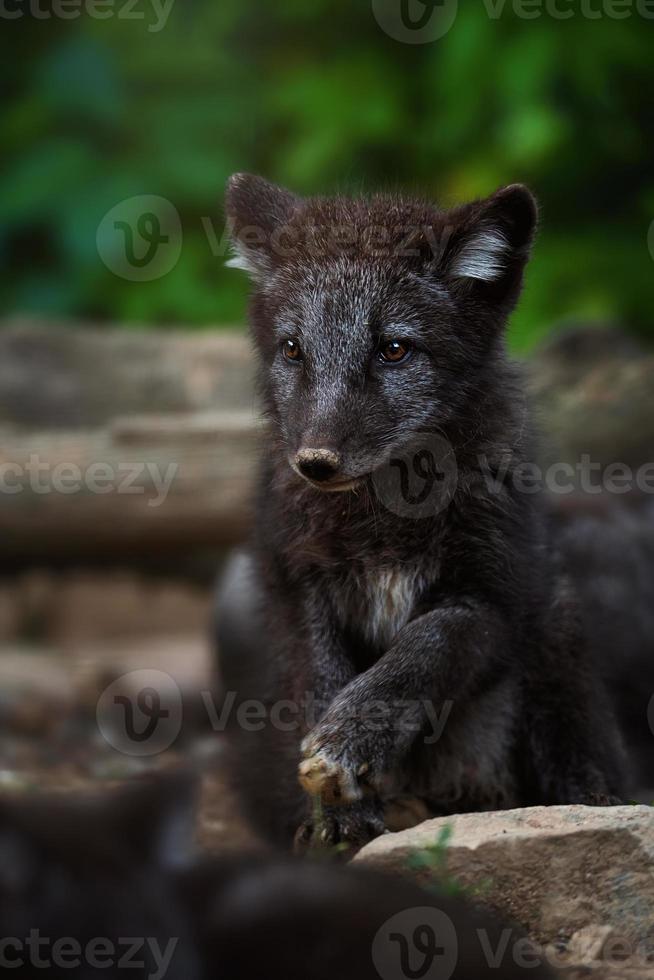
{"x": 380, "y": 602}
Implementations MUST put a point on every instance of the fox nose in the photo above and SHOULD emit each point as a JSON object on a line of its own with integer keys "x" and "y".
{"x": 318, "y": 464}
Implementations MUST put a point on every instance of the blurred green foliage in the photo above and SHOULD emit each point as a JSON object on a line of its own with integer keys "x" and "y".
{"x": 317, "y": 96}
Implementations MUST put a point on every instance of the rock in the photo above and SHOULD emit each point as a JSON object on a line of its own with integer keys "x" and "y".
{"x": 579, "y": 879}
{"x": 587, "y": 944}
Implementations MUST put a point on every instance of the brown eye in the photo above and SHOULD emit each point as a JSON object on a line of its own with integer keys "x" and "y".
{"x": 291, "y": 350}
{"x": 394, "y": 351}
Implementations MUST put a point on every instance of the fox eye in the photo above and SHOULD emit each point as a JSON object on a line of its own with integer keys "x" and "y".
{"x": 394, "y": 351}
{"x": 291, "y": 350}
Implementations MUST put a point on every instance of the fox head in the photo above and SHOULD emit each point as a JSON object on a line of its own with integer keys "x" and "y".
{"x": 374, "y": 319}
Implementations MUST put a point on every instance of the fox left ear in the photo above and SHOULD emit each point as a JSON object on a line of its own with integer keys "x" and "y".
{"x": 256, "y": 212}
{"x": 490, "y": 242}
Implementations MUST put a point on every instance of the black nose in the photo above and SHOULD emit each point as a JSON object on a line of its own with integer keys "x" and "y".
{"x": 318, "y": 464}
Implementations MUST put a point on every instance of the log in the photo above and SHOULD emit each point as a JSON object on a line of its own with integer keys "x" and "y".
{"x": 73, "y": 376}
{"x": 173, "y": 487}
{"x": 126, "y": 445}
{"x": 121, "y": 445}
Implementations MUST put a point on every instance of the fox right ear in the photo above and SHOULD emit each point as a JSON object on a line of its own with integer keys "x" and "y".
{"x": 490, "y": 243}
{"x": 256, "y": 210}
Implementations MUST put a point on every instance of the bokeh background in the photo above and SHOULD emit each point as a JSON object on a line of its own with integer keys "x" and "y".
{"x": 318, "y": 96}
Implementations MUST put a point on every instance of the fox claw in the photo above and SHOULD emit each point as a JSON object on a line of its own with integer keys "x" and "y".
{"x": 322, "y": 776}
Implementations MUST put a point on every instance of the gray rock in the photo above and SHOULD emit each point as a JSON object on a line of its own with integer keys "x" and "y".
{"x": 558, "y": 871}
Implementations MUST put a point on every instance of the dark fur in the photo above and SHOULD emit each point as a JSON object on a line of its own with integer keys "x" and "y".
{"x": 491, "y": 623}
{"x": 609, "y": 551}
{"x": 98, "y": 865}
{"x": 114, "y": 865}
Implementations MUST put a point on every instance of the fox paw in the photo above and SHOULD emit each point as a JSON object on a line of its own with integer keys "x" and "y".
{"x": 333, "y": 781}
{"x": 600, "y": 799}
{"x": 348, "y": 755}
{"x": 342, "y": 770}
{"x": 340, "y": 833}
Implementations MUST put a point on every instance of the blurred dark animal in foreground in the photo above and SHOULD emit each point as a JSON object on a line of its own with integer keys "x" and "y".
{"x": 88, "y": 871}
{"x": 79, "y": 875}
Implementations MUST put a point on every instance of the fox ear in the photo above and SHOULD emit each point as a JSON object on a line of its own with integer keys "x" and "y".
{"x": 489, "y": 243}
{"x": 256, "y": 210}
